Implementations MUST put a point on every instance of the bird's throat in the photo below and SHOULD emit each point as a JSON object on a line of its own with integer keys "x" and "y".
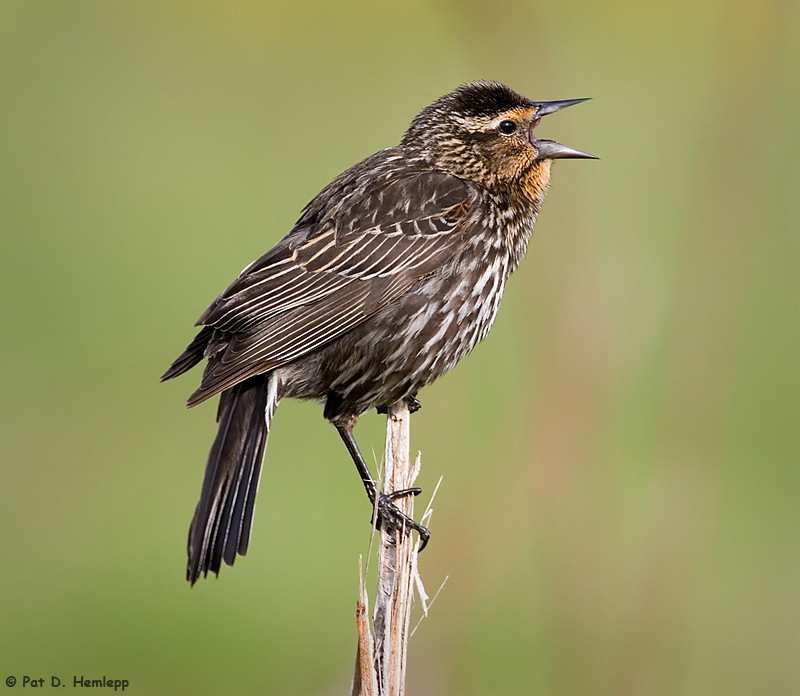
{"x": 535, "y": 181}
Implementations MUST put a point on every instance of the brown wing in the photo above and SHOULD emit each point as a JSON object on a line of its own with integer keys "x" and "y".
{"x": 317, "y": 285}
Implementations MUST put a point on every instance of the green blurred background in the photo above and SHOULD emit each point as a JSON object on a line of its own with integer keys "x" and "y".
{"x": 619, "y": 510}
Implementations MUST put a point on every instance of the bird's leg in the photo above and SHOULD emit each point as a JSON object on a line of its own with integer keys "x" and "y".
{"x": 389, "y": 517}
{"x": 358, "y": 460}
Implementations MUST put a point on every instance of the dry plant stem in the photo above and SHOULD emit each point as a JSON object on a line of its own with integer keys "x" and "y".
{"x": 396, "y": 562}
{"x": 381, "y": 662}
{"x": 364, "y": 679}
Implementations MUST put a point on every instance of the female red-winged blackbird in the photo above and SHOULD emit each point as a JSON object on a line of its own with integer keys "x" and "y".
{"x": 391, "y": 275}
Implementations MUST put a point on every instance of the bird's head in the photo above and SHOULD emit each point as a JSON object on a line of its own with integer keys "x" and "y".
{"x": 483, "y": 131}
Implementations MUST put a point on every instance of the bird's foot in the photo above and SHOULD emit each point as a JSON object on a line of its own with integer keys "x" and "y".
{"x": 411, "y": 401}
{"x": 391, "y": 519}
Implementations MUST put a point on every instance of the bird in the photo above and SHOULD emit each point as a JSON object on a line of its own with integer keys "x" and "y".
{"x": 391, "y": 275}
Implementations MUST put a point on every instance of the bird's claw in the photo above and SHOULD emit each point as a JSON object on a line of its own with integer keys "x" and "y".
{"x": 391, "y": 519}
{"x": 413, "y": 403}
{"x": 394, "y": 495}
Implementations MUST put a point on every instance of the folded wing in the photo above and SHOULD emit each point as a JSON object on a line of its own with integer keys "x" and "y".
{"x": 334, "y": 271}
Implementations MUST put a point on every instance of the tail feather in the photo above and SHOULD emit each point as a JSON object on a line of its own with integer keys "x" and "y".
{"x": 222, "y": 520}
{"x": 247, "y": 488}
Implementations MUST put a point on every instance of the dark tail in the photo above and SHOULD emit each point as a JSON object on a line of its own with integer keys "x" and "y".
{"x": 221, "y": 525}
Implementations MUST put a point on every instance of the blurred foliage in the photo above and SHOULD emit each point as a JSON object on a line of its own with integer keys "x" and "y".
{"x": 619, "y": 511}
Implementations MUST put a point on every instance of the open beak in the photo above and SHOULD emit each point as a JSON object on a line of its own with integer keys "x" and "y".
{"x": 552, "y": 106}
{"x": 550, "y": 149}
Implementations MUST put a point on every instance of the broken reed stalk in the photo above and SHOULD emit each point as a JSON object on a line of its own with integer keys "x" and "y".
{"x": 381, "y": 661}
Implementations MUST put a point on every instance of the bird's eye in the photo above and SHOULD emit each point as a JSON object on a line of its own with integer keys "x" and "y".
{"x": 507, "y": 127}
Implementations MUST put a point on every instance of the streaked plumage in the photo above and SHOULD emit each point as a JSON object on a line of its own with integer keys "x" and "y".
{"x": 391, "y": 275}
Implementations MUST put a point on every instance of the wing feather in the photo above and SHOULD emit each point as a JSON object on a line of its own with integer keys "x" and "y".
{"x": 317, "y": 286}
